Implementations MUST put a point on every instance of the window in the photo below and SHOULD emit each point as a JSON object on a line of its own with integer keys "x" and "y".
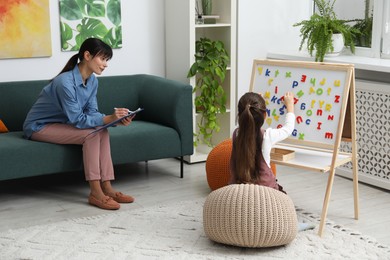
{"x": 373, "y": 18}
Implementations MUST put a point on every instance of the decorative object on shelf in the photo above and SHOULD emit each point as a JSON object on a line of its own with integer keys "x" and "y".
{"x": 207, "y": 7}
{"x": 198, "y": 14}
{"x": 210, "y": 66}
{"x": 318, "y": 30}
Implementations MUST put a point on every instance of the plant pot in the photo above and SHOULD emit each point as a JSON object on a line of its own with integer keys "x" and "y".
{"x": 207, "y": 7}
{"x": 338, "y": 45}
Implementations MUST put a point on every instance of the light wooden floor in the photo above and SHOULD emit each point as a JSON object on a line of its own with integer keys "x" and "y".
{"x": 54, "y": 198}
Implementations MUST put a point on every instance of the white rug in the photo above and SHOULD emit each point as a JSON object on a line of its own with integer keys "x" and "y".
{"x": 172, "y": 232}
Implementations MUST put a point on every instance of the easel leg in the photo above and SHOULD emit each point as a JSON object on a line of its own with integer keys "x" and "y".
{"x": 326, "y": 201}
{"x": 355, "y": 184}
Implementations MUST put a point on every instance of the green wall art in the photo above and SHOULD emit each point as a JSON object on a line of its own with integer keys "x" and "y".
{"x": 83, "y": 19}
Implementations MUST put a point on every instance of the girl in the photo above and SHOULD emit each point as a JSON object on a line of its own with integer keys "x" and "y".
{"x": 250, "y": 159}
{"x": 66, "y": 112}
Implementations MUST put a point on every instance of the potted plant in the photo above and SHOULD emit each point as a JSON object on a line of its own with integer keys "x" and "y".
{"x": 211, "y": 61}
{"x": 320, "y": 28}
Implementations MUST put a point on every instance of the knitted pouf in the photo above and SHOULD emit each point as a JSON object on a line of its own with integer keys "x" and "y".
{"x": 249, "y": 215}
{"x": 218, "y": 165}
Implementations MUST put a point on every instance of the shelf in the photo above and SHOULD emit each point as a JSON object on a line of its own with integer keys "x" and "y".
{"x": 359, "y": 62}
{"x": 181, "y": 35}
{"x": 216, "y": 25}
{"x": 313, "y": 159}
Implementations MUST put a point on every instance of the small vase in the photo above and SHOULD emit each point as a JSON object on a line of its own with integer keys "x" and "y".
{"x": 338, "y": 45}
{"x": 207, "y": 7}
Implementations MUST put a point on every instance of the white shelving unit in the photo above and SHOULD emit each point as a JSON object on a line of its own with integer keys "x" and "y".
{"x": 181, "y": 32}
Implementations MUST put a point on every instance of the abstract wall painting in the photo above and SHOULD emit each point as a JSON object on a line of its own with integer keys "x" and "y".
{"x": 24, "y": 29}
{"x": 83, "y": 19}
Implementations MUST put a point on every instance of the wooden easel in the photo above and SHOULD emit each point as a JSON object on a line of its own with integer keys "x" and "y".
{"x": 323, "y": 158}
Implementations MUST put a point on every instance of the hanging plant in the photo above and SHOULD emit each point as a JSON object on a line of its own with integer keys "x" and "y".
{"x": 210, "y": 66}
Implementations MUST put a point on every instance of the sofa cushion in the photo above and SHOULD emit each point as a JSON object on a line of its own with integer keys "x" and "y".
{"x": 39, "y": 157}
{"x": 149, "y": 140}
{"x": 3, "y": 128}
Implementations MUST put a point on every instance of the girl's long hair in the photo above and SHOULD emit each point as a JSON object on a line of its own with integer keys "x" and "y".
{"x": 248, "y": 142}
{"x": 94, "y": 46}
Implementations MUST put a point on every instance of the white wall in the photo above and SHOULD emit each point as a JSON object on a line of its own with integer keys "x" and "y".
{"x": 143, "y": 49}
{"x": 265, "y": 26}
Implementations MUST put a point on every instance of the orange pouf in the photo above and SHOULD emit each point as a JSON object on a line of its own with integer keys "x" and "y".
{"x": 218, "y": 165}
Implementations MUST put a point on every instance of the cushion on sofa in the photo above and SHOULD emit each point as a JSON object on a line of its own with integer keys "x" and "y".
{"x": 3, "y": 128}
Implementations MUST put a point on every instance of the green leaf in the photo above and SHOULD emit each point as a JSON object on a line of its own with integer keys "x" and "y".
{"x": 70, "y": 10}
{"x": 91, "y": 27}
{"x": 66, "y": 33}
{"x": 114, "y": 12}
{"x": 93, "y": 8}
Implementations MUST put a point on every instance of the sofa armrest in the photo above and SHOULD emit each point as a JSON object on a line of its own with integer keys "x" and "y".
{"x": 169, "y": 103}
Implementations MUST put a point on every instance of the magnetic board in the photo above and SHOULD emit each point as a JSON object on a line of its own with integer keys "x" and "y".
{"x": 321, "y": 94}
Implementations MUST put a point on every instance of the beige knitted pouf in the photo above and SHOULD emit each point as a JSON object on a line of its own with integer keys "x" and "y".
{"x": 249, "y": 215}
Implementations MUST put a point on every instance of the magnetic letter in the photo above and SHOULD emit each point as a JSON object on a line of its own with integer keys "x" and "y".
{"x": 274, "y": 112}
{"x": 303, "y": 78}
{"x": 268, "y": 112}
{"x": 312, "y": 90}
{"x": 295, "y": 84}
{"x": 319, "y": 112}
{"x": 319, "y": 91}
{"x": 301, "y": 136}
{"x": 270, "y": 82}
{"x": 319, "y": 125}
{"x": 294, "y": 133}
{"x": 279, "y": 126}
{"x": 267, "y": 95}
{"x": 267, "y": 72}
{"x": 337, "y": 99}
{"x": 269, "y": 121}
{"x": 276, "y": 90}
{"x": 309, "y": 112}
{"x": 328, "y": 135}
{"x": 329, "y": 90}
{"x": 303, "y": 106}
{"x": 337, "y": 83}
{"x": 300, "y": 93}
{"x": 276, "y": 73}
{"x": 312, "y": 103}
{"x": 328, "y": 107}
{"x": 274, "y": 99}
{"x": 308, "y": 121}
{"x": 321, "y": 103}
{"x": 330, "y": 117}
{"x": 313, "y": 81}
{"x": 260, "y": 69}
{"x": 299, "y": 119}
{"x": 288, "y": 74}
{"x": 323, "y": 81}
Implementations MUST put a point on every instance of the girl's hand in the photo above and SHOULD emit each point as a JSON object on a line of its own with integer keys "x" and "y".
{"x": 289, "y": 102}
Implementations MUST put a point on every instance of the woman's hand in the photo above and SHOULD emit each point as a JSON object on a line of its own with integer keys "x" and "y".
{"x": 121, "y": 112}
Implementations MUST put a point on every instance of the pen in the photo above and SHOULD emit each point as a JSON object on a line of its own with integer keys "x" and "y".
{"x": 128, "y": 111}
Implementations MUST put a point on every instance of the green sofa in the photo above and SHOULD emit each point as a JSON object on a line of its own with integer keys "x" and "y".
{"x": 162, "y": 130}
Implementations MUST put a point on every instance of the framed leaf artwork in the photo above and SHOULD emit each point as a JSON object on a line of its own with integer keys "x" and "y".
{"x": 83, "y": 19}
{"x": 24, "y": 29}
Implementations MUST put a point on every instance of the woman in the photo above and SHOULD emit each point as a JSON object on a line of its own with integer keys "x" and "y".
{"x": 66, "y": 112}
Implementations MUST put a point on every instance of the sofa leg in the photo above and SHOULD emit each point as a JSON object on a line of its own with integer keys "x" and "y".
{"x": 181, "y": 167}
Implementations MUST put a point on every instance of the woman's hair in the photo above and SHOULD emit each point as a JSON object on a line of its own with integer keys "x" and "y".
{"x": 248, "y": 142}
{"x": 94, "y": 46}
